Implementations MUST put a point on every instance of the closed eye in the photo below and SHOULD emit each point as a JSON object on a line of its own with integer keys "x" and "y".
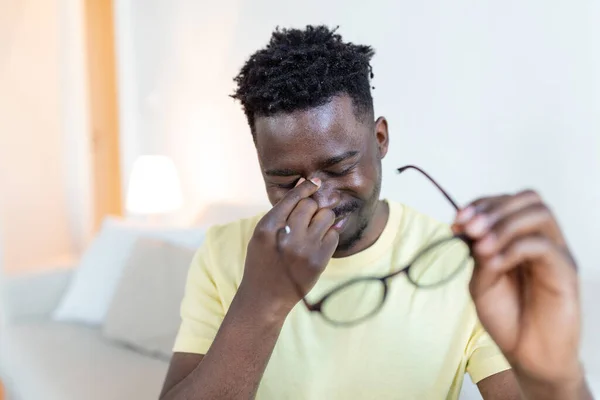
{"x": 343, "y": 172}
{"x": 287, "y": 185}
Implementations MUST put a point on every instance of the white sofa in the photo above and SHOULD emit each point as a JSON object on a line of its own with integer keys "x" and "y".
{"x": 43, "y": 359}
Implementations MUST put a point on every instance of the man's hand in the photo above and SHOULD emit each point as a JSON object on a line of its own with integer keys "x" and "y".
{"x": 525, "y": 289}
{"x": 250, "y": 329}
{"x": 274, "y": 255}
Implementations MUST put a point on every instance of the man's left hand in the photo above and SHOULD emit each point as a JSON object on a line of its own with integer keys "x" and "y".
{"x": 525, "y": 287}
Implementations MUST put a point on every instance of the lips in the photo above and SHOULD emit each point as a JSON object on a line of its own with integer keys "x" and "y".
{"x": 340, "y": 222}
{"x": 343, "y": 214}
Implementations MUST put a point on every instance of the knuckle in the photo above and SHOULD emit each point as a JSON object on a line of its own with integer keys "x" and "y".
{"x": 303, "y": 190}
{"x": 501, "y": 226}
{"x": 293, "y": 196}
{"x": 261, "y": 233}
{"x": 484, "y": 204}
{"x": 479, "y": 202}
{"x": 544, "y": 211}
{"x": 308, "y": 204}
{"x": 542, "y": 247}
{"x": 263, "y": 229}
{"x": 530, "y": 246}
{"x": 540, "y": 243}
{"x": 540, "y": 213}
{"x": 530, "y": 194}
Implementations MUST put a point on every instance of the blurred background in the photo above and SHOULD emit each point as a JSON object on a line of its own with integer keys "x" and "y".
{"x": 119, "y": 145}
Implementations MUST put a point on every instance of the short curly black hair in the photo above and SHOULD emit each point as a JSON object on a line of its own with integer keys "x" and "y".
{"x": 301, "y": 69}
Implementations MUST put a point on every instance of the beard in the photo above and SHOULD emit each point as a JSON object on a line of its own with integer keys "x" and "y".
{"x": 365, "y": 213}
{"x": 347, "y": 243}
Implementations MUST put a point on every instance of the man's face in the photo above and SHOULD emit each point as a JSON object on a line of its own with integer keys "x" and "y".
{"x": 330, "y": 143}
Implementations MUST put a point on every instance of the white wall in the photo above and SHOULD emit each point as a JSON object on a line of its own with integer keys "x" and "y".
{"x": 75, "y": 122}
{"x": 40, "y": 205}
{"x": 487, "y": 96}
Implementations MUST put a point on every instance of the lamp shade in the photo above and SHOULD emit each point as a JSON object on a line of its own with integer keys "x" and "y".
{"x": 154, "y": 186}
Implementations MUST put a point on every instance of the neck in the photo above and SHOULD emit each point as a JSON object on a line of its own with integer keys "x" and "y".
{"x": 372, "y": 232}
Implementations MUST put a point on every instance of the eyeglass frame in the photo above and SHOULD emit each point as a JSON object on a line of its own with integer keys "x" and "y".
{"x": 318, "y": 305}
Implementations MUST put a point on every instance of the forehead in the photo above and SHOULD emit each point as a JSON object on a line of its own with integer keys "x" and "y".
{"x": 315, "y": 133}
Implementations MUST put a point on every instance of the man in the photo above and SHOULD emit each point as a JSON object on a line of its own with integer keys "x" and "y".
{"x": 246, "y": 334}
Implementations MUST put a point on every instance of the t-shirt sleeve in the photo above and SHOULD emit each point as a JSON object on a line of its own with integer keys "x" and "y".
{"x": 201, "y": 310}
{"x": 484, "y": 356}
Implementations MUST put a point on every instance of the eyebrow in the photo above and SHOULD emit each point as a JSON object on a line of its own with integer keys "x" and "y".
{"x": 325, "y": 164}
{"x": 338, "y": 159}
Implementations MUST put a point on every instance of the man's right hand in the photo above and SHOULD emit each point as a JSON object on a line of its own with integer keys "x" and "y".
{"x": 275, "y": 257}
{"x": 266, "y": 295}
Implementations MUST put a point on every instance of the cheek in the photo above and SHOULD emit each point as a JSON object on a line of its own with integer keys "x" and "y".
{"x": 275, "y": 195}
{"x": 365, "y": 180}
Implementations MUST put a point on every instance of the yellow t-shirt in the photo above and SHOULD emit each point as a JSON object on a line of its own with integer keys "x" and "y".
{"x": 417, "y": 347}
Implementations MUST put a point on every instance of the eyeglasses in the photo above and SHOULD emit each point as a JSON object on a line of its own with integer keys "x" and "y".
{"x": 434, "y": 265}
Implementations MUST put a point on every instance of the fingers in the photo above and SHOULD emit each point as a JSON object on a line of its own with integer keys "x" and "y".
{"x": 494, "y": 222}
{"x": 480, "y": 217}
{"x": 547, "y": 264}
{"x": 302, "y": 214}
{"x": 286, "y": 205}
{"x": 308, "y": 218}
{"x": 507, "y": 202}
{"x": 330, "y": 242}
{"x": 510, "y": 232}
{"x": 321, "y": 222}
{"x": 528, "y": 249}
{"x": 534, "y": 219}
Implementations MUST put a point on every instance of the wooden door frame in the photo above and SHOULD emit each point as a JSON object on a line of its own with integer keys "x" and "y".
{"x": 103, "y": 113}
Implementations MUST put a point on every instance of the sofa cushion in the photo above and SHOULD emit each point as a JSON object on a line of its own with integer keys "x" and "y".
{"x": 144, "y": 312}
{"x": 93, "y": 283}
{"x": 59, "y": 361}
{"x": 31, "y": 296}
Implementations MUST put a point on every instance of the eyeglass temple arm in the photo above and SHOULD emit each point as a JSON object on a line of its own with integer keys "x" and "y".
{"x": 446, "y": 195}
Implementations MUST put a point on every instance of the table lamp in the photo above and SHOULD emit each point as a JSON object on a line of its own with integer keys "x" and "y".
{"x": 154, "y": 187}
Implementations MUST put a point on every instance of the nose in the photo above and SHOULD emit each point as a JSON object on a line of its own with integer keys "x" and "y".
{"x": 327, "y": 196}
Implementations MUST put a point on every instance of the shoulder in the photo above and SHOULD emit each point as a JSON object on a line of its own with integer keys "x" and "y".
{"x": 416, "y": 228}
{"x": 223, "y": 236}
{"x": 224, "y": 250}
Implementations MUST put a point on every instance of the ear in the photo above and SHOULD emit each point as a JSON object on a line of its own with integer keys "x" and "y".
{"x": 382, "y": 136}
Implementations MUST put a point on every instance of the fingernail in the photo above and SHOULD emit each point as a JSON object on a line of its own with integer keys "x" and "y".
{"x": 300, "y": 182}
{"x": 477, "y": 227}
{"x": 316, "y": 181}
{"x": 465, "y": 215}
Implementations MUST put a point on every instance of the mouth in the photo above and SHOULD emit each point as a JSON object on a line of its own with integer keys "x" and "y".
{"x": 340, "y": 222}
